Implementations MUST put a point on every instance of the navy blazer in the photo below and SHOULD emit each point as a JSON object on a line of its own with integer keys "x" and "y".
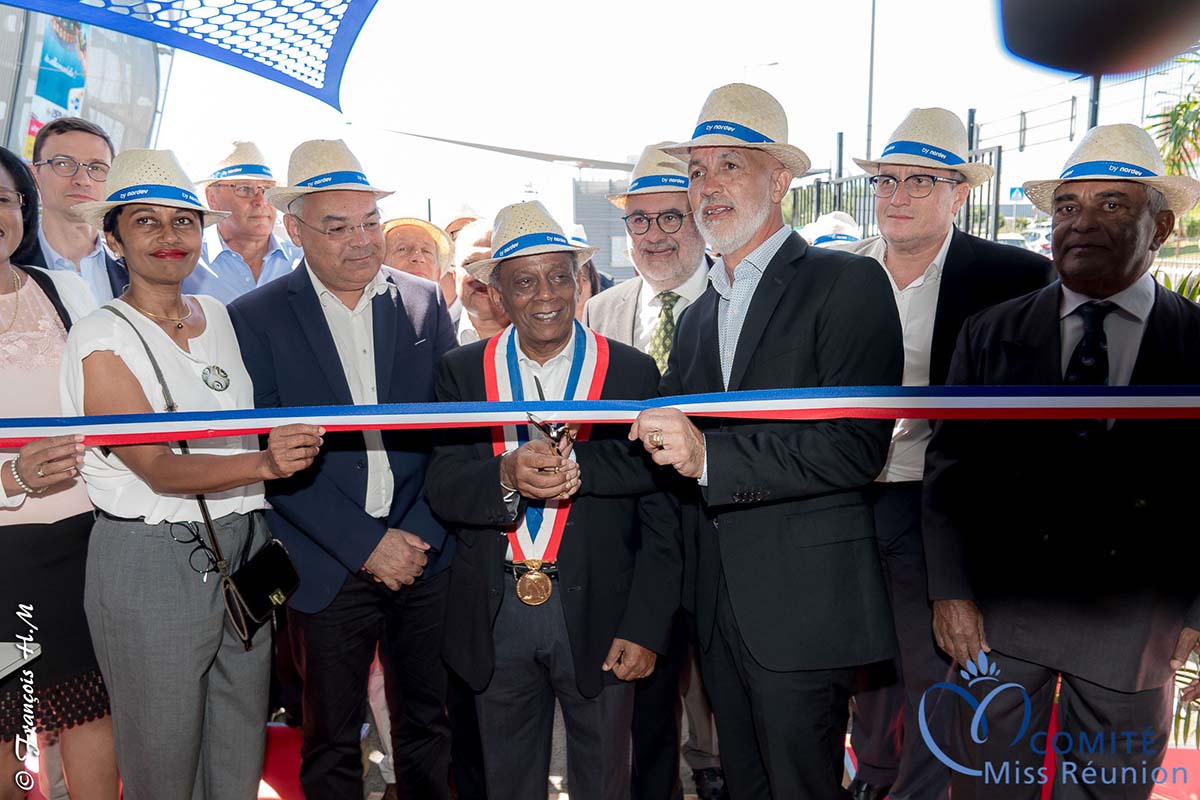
{"x": 291, "y": 357}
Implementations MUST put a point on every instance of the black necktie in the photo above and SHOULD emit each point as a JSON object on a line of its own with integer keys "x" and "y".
{"x": 1089, "y": 362}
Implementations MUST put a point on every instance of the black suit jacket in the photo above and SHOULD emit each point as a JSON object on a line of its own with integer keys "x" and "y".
{"x": 291, "y": 356}
{"x": 118, "y": 276}
{"x": 784, "y": 520}
{"x": 619, "y": 562}
{"x": 1067, "y": 544}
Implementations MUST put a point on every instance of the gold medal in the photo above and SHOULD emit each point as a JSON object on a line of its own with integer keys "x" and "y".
{"x": 534, "y": 587}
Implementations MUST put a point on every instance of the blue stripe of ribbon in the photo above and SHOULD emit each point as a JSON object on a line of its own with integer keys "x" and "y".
{"x": 242, "y": 169}
{"x": 1112, "y": 169}
{"x": 724, "y": 128}
{"x": 835, "y": 237}
{"x": 646, "y": 181}
{"x": 924, "y": 150}
{"x": 149, "y": 192}
{"x": 334, "y": 178}
{"x": 530, "y": 240}
{"x": 535, "y": 509}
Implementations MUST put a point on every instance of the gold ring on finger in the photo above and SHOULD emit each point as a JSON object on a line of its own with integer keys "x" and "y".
{"x": 40, "y": 473}
{"x": 655, "y": 439}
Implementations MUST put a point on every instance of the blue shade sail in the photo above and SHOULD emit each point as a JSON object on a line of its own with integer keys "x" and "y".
{"x": 302, "y": 44}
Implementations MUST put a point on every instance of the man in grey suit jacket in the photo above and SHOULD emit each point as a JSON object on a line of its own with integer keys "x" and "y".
{"x": 668, "y": 251}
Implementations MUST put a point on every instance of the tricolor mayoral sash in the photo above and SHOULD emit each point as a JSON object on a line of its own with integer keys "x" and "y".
{"x": 539, "y": 532}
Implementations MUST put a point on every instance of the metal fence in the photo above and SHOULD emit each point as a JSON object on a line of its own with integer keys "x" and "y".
{"x": 979, "y": 216}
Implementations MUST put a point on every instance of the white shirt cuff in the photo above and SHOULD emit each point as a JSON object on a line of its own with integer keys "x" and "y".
{"x": 703, "y": 479}
{"x": 16, "y": 500}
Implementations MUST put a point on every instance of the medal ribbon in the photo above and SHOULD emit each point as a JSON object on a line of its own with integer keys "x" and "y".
{"x": 502, "y": 378}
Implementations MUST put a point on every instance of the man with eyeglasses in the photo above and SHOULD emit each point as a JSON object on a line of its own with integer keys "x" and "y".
{"x": 939, "y": 276}
{"x": 668, "y": 252}
{"x": 343, "y": 329}
{"x": 241, "y": 252}
{"x": 71, "y": 157}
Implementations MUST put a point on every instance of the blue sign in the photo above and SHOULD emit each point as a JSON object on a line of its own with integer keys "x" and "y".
{"x": 1016, "y": 195}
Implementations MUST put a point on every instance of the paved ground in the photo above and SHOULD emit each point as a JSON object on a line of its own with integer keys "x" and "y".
{"x": 557, "y": 790}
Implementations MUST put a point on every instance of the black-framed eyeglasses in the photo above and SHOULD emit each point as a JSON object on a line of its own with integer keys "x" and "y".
{"x": 67, "y": 167}
{"x": 11, "y": 200}
{"x": 342, "y": 232}
{"x": 668, "y": 222}
{"x": 915, "y": 186}
{"x": 202, "y": 559}
{"x": 244, "y": 190}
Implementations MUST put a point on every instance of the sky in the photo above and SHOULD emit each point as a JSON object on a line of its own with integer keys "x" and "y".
{"x": 602, "y": 80}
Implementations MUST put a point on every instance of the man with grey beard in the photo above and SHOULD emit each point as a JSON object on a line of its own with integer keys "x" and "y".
{"x": 668, "y": 252}
{"x": 781, "y": 569}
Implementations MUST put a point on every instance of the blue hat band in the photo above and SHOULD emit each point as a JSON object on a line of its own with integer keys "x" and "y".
{"x": 725, "y": 128}
{"x": 259, "y": 171}
{"x": 835, "y": 237}
{"x": 530, "y": 240}
{"x": 149, "y": 192}
{"x": 1108, "y": 169}
{"x": 334, "y": 179}
{"x": 924, "y": 150}
{"x": 659, "y": 181}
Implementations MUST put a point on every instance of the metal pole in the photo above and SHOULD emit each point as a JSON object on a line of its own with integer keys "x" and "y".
{"x": 1094, "y": 103}
{"x": 429, "y": 208}
{"x": 837, "y": 200}
{"x": 972, "y": 134}
{"x": 871, "y": 80}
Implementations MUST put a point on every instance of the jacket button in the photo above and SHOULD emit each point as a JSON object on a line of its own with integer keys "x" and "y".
{"x": 1112, "y": 553}
{"x": 1140, "y": 503}
{"x": 362, "y": 464}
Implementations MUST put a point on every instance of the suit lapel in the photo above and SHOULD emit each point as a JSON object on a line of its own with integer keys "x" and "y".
{"x": 384, "y": 313}
{"x": 311, "y": 320}
{"x": 1156, "y": 362}
{"x": 118, "y": 276}
{"x": 775, "y": 279}
{"x": 627, "y": 311}
{"x": 710, "y": 344}
{"x": 953, "y": 295}
{"x": 1034, "y": 352}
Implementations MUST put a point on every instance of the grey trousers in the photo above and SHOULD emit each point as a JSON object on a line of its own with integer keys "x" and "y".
{"x": 534, "y": 666}
{"x": 189, "y": 704}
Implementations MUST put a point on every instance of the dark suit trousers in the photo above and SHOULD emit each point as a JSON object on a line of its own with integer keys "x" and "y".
{"x": 534, "y": 666}
{"x": 1084, "y": 710}
{"x": 782, "y": 733}
{"x": 334, "y": 649}
{"x": 657, "y": 718}
{"x": 885, "y": 734}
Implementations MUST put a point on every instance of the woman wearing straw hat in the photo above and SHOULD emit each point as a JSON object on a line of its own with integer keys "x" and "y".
{"x": 45, "y": 521}
{"x": 1065, "y": 549}
{"x": 189, "y": 702}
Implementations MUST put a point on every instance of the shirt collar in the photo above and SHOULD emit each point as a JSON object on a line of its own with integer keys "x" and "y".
{"x": 53, "y": 259}
{"x": 689, "y": 291}
{"x": 878, "y": 251}
{"x": 566, "y": 355}
{"x": 214, "y": 244}
{"x": 756, "y": 261}
{"x": 378, "y": 285}
{"x": 1135, "y": 300}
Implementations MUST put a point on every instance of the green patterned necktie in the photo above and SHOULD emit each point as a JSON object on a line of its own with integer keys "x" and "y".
{"x": 660, "y": 342}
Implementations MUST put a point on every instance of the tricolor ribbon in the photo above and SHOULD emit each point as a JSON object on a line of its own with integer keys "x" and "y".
{"x": 858, "y": 402}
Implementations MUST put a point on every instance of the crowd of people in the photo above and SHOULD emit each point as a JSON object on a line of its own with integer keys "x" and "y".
{"x": 776, "y": 582}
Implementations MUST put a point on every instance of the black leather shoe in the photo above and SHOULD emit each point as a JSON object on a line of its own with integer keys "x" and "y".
{"x": 861, "y": 790}
{"x": 710, "y": 784}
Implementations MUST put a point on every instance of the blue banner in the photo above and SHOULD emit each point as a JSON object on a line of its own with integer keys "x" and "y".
{"x": 303, "y": 46}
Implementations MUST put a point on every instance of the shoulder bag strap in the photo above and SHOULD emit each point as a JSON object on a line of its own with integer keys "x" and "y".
{"x": 46, "y": 284}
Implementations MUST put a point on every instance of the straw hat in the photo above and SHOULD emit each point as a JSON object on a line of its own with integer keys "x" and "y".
{"x": 836, "y": 226}
{"x": 1118, "y": 153}
{"x": 321, "y": 165}
{"x": 741, "y": 115}
{"x": 655, "y": 172}
{"x": 930, "y": 137}
{"x": 445, "y": 247}
{"x": 525, "y": 229}
{"x": 146, "y": 176}
{"x": 464, "y": 216}
{"x": 246, "y": 162}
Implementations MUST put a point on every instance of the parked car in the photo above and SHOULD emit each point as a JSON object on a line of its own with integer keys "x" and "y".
{"x": 1014, "y": 239}
{"x": 1037, "y": 239}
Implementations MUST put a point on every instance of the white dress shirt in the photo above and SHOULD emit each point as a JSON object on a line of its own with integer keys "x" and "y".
{"x": 1123, "y": 327}
{"x": 353, "y": 333}
{"x": 650, "y": 304}
{"x": 93, "y": 267}
{"x": 917, "y": 306}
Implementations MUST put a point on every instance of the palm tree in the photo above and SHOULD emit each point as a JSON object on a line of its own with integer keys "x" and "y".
{"x": 1177, "y": 129}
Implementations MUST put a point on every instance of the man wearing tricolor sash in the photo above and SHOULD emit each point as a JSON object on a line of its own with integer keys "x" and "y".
{"x": 1060, "y": 552}
{"x": 565, "y": 581}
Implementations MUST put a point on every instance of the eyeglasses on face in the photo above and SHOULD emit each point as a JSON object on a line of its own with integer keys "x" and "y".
{"x": 67, "y": 167}
{"x": 342, "y": 232}
{"x": 668, "y": 222}
{"x": 10, "y": 200}
{"x": 244, "y": 190}
{"x": 915, "y": 186}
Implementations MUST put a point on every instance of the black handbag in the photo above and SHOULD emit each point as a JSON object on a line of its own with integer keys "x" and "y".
{"x": 262, "y": 583}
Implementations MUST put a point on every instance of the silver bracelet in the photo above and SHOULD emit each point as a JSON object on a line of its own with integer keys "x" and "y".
{"x": 12, "y": 468}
